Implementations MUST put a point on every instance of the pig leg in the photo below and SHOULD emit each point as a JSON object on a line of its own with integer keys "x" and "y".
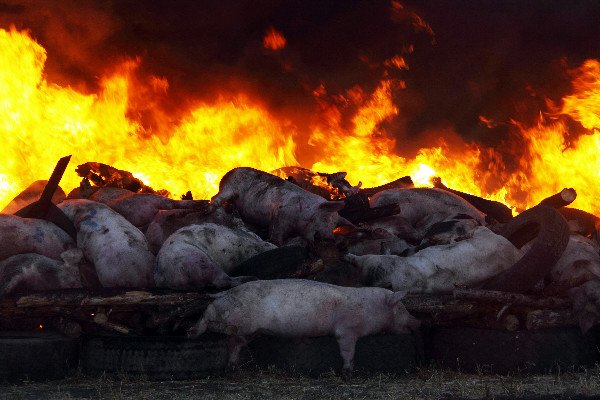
{"x": 347, "y": 343}
{"x": 236, "y": 343}
{"x": 278, "y": 229}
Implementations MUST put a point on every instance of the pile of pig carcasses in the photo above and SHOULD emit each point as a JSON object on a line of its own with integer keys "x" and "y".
{"x": 294, "y": 253}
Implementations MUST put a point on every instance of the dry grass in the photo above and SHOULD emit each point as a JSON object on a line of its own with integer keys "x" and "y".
{"x": 426, "y": 383}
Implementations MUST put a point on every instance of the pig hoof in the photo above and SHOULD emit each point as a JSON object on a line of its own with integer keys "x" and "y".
{"x": 193, "y": 333}
{"x": 346, "y": 374}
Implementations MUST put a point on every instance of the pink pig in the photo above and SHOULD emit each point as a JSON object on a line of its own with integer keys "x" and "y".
{"x": 263, "y": 199}
{"x": 304, "y": 308}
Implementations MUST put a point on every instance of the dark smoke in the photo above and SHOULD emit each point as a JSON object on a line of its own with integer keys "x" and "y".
{"x": 499, "y": 59}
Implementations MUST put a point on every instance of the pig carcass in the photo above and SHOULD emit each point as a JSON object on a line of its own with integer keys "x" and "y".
{"x": 579, "y": 263}
{"x": 303, "y": 308}
{"x": 118, "y": 250}
{"x": 140, "y": 208}
{"x": 287, "y": 210}
{"x": 34, "y": 272}
{"x": 577, "y": 273}
{"x": 28, "y": 235}
{"x": 440, "y": 269}
{"x": 419, "y": 204}
{"x": 203, "y": 255}
{"x": 166, "y": 222}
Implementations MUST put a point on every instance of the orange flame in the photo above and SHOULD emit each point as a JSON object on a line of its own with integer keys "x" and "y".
{"x": 42, "y": 122}
{"x": 274, "y": 40}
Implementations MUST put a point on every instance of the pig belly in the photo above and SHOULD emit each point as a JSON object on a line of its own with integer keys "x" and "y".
{"x": 226, "y": 247}
{"x": 182, "y": 265}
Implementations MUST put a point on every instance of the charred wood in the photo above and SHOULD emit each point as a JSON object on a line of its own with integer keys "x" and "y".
{"x": 514, "y": 299}
{"x": 82, "y": 299}
{"x": 561, "y": 199}
{"x": 401, "y": 183}
{"x": 30, "y": 194}
{"x": 494, "y": 209}
{"x": 545, "y": 319}
{"x": 369, "y": 214}
{"x": 44, "y": 208}
{"x": 357, "y": 209}
{"x": 103, "y": 175}
{"x": 580, "y": 221}
{"x": 549, "y": 244}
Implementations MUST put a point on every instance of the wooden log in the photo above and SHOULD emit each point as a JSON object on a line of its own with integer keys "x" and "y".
{"x": 82, "y": 299}
{"x": 545, "y": 319}
{"x": 441, "y": 307}
{"x": 102, "y": 320}
{"x": 368, "y": 214}
{"x": 580, "y": 221}
{"x": 517, "y": 299}
{"x": 179, "y": 312}
{"x": 494, "y": 209}
{"x": 561, "y": 199}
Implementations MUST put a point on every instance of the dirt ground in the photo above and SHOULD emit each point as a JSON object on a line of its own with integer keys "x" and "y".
{"x": 429, "y": 383}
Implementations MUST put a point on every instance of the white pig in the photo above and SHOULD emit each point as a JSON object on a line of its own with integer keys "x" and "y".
{"x": 303, "y": 308}
{"x": 579, "y": 263}
{"x": 28, "y": 235}
{"x": 118, "y": 249}
{"x": 440, "y": 269}
{"x": 201, "y": 255}
{"x": 287, "y": 210}
{"x": 166, "y": 222}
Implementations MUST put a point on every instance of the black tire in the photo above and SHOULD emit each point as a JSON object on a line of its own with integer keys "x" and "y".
{"x": 315, "y": 356}
{"x": 160, "y": 357}
{"x": 476, "y": 350}
{"x": 551, "y": 241}
{"x": 36, "y": 356}
{"x": 277, "y": 263}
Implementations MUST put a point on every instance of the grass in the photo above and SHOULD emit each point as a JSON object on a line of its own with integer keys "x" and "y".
{"x": 425, "y": 383}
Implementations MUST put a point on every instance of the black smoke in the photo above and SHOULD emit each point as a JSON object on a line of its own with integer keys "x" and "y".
{"x": 499, "y": 59}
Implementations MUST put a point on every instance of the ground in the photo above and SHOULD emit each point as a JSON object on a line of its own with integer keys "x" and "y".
{"x": 425, "y": 383}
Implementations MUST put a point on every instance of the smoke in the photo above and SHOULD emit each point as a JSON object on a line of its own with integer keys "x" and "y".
{"x": 497, "y": 59}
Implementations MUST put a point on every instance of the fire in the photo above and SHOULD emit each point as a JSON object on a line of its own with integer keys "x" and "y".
{"x": 274, "y": 40}
{"x": 584, "y": 104}
{"x": 42, "y": 121}
{"x": 321, "y": 181}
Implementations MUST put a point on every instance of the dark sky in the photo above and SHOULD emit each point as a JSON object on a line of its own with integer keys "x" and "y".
{"x": 500, "y": 59}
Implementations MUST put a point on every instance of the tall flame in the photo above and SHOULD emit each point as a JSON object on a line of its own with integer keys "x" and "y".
{"x": 42, "y": 121}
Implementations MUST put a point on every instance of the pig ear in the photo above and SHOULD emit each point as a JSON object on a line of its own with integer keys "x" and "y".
{"x": 395, "y": 298}
{"x": 331, "y": 206}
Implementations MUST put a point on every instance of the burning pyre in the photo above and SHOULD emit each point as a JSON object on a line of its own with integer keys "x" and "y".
{"x": 436, "y": 219}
